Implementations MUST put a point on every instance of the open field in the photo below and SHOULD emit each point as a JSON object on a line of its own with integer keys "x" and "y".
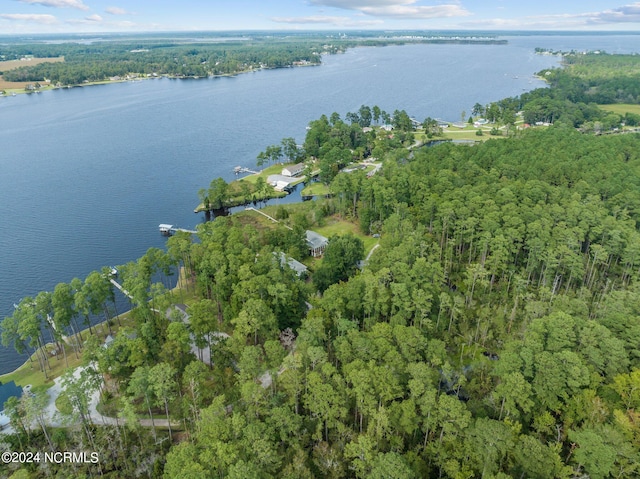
{"x": 13, "y": 64}
{"x": 621, "y": 108}
{"x": 13, "y": 85}
{"x": 467, "y": 134}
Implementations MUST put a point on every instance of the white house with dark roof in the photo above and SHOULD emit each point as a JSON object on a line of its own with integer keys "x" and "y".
{"x": 317, "y": 243}
{"x": 293, "y": 170}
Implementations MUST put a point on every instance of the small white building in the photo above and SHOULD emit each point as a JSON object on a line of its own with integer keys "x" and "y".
{"x": 293, "y": 170}
{"x": 280, "y": 182}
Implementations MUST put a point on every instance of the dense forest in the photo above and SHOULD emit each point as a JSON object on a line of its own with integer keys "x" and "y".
{"x": 492, "y": 331}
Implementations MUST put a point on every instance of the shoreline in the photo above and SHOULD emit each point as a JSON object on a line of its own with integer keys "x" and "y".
{"x": 32, "y": 359}
{"x": 394, "y": 41}
{"x": 141, "y": 77}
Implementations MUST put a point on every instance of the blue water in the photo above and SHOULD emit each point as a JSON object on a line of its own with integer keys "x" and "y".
{"x": 8, "y": 390}
{"x": 87, "y": 174}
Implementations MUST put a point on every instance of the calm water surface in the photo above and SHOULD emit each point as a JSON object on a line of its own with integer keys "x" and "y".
{"x": 87, "y": 174}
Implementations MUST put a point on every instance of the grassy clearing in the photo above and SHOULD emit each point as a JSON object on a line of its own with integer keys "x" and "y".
{"x": 621, "y": 108}
{"x": 338, "y": 226}
{"x": 7, "y": 65}
{"x": 315, "y": 189}
{"x": 468, "y": 133}
{"x": 270, "y": 170}
{"x": 18, "y": 87}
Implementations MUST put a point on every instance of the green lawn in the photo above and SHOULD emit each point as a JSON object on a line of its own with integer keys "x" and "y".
{"x": 337, "y": 226}
{"x": 29, "y": 372}
{"x": 466, "y": 134}
{"x": 621, "y": 108}
{"x": 314, "y": 189}
{"x": 63, "y": 404}
{"x": 270, "y": 170}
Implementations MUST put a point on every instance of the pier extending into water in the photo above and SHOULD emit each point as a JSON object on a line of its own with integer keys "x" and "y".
{"x": 127, "y": 293}
{"x": 243, "y": 169}
{"x": 168, "y": 230}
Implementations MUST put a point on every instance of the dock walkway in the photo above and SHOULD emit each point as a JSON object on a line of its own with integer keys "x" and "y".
{"x": 168, "y": 230}
{"x": 266, "y": 215}
{"x": 243, "y": 169}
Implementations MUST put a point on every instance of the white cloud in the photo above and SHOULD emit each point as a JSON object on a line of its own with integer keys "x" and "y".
{"x": 359, "y": 4}
{"x": 406, "y": 9}
{"x": 616, "y": 16}
{"x": 417, "y": 12}
{"x": 30, "y": 18}
{"x": 328, "y": 20}
{"x": 58, "y": 3}
{"x": 625, "y": 14}
{"x": 310, "y": 19}
{"x": 90, "y": 20}
{"x": 117, "y": 11}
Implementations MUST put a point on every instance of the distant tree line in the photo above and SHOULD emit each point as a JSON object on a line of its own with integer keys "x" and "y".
{"x": 100, "y": 60}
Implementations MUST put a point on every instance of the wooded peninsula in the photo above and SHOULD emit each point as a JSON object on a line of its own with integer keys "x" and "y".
{"x": 474, "y": 311}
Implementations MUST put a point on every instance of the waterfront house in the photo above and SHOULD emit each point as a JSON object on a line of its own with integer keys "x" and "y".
{"x": 293, "y": 170}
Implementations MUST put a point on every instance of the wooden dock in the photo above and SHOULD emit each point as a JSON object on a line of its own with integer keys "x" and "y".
{"x": 127, "y": 293}
{"x": 168, "y": 230}
{"x": 243, "y": 169}
{"x": 122, "y": 290}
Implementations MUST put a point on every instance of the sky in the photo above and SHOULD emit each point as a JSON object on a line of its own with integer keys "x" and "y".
{"x": 84, "y": 16}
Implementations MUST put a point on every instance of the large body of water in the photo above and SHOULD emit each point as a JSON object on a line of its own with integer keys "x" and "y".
{"x": 87, "y": 174}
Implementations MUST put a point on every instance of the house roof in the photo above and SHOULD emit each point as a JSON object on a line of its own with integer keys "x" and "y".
{"x": 273, "y": 179}
{"x": 293, "y": 169}
{"x": 297, "y": 166}
{"x": 297, "y": 266}
{"x": 315, "y": 240}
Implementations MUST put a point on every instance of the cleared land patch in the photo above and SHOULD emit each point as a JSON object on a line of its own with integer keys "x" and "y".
{"x": 621, "y": 108}
{"x": 15, "y": 64}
